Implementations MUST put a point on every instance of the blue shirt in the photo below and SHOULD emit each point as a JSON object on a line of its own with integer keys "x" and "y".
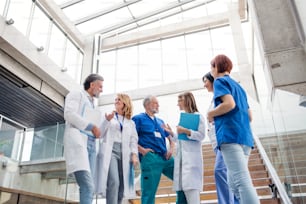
{"x": 150, "y": 133}
{"x": 234, "y": 126}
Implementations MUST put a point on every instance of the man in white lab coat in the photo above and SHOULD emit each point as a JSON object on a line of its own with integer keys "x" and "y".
{"x": 80, "y": 135}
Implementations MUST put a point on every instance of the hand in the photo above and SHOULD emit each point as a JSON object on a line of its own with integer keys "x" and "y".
{"x": 109, "y": 116}
{"x": 168, "y": 129}
{"x": 180, "y": 129}
{"x": 134, "y": 160}
{"x": 169, "y": 154}
{"x": 96, "y": 131}
{"x": 210, "y": 117}
{"x": 145, "y": 151}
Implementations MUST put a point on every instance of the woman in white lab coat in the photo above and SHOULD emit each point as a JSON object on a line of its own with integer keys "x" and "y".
{"x": 118, "y": 153}
{"x": 188, "y": 162}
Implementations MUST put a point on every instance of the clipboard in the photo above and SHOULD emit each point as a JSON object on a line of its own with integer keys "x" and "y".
{"x": 92, "y": 115}
{"x": 189, "y": 121}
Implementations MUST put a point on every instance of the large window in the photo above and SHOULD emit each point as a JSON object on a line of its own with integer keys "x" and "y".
{"x": 44, "y": 33}
{"x": 57, "y": 46}
{"x": 165, "y": 61}
{"x": 19, "y": 11}
{"x": 40, "y": 29}
{"x": 73, "y": 61}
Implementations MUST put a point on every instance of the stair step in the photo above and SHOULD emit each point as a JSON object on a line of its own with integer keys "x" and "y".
{"x": 170, "y": 199}
{"x": 259, "y": 174}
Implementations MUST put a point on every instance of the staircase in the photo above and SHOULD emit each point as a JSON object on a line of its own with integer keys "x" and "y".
{"x": 259, "y": 174}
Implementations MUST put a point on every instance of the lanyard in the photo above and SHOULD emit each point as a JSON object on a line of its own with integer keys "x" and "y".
{"x": 156, "y": 126}
{"x": 120, "y": 123}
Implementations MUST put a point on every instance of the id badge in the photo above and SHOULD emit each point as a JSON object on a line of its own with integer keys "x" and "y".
{"x": 157, "y": 134}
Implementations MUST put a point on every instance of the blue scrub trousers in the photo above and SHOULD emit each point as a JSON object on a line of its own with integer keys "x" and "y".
{"x": 239, "y": 179}
{"x": 225, "y": 195}
{"x": 152, "y": 166}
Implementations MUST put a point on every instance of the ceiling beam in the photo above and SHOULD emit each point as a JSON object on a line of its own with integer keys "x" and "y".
{"x": 63, "y": 21}
{"x": 171, "y": 30}
{"x": 101, "y": 13}
{"x": 157, "y": 13}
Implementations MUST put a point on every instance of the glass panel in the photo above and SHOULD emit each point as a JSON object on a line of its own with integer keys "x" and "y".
{"x": 80, "y": 67}
{"x": 72, "y": 61}
{"x": 57, "y": 46}
{"x": 2, "y": 5}
{"x": 146, "y": 6}
{"x": 174, "y": 60}
{"x": 199, "y": 53}
{"x": 88, "y": 7}
{"x": 224, "y": 46}
{"x": 150, "y": 65}
{"x": 127, "y": 68}
{"x": 20, "y": 12}
{"x": 218, "y": 6}
{"x": 107, "y": 70}
{"x": 285, "y": 145}
{"x": 10, "y": 139}
{"x": 6, "y": 142}
{"x": 107, "y": 20}
{"x": 172, "y": 19}
{"x": 197, "y": 12}
{"x": 47, "y": 142}
{"x": 40, "y": 28}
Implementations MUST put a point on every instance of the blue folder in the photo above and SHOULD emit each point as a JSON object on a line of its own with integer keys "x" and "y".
{"x": 189, "y": 121}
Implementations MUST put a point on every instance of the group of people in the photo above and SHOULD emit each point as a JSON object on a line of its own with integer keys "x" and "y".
{"x": 126, "y": 140}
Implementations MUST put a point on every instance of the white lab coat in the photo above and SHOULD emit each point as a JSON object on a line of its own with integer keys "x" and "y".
{"x": 189, "y": 153}
{"x": 75, "y": 142}
{"x": 129, "y": 145}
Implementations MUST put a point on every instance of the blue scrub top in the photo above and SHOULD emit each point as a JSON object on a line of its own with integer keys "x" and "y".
{"x": 234, "y": 126}
{"x": 147, "y": 138}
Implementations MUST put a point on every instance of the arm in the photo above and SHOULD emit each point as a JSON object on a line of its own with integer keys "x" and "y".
{"x": 72, "y": 110}
{"x": 106, "y": 122}
{"x": 172, "y": 145}
{"x": 143, "y": 151}
{"x": 72, "y": 113}
{"x": 227, "y": 105}
{"x": 134, "y": 145}
{"x": 250, "y": 115}
{"x": 199, "y": 134}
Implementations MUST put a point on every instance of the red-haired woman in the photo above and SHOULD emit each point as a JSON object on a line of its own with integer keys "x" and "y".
{"x": 232, "y": 118}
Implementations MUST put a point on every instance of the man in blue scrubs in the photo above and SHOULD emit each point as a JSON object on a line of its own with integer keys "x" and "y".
{"x": 155, "y": 158}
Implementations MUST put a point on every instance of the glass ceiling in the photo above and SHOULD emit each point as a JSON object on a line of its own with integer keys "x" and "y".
{"x": 112, "y": 17}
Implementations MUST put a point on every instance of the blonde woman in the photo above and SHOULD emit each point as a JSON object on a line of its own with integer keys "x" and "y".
{"x": 118, "y": 153}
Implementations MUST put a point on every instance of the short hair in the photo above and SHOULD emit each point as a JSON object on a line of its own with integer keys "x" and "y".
{"x": 189, "y": 102}
{"x": 209, "y": 77}
{"x": 222, "y": 63}
{"x": 91, "y": 78}
{"x": 147, "y": 100}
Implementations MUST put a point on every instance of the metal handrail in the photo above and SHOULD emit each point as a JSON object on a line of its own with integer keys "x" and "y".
{"x": 276, "y": 181}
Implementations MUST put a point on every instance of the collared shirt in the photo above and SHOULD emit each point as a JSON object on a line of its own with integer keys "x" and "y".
{"x": 150, "y": 133}
{"x": 118, "y": 133}
{"x": 234, "y": 126}
{"x": 88, "y": 104}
